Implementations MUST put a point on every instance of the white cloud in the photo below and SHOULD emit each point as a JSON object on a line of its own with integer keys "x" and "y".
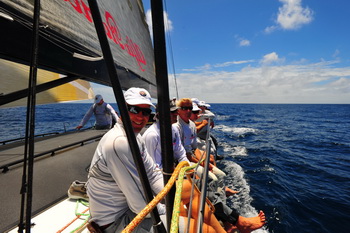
{"x": 229, "y": 63}
{"x": 270, "y": 29}
{"x": 168, "y": 24}
{"x": 207, "y": 67}
{"x": 271, "y": 58}
{"x": 244, "y": 42}
{"x": 291, "y": 16}
{"x": 199, "y": 68}
{"x": 299, "y": 83}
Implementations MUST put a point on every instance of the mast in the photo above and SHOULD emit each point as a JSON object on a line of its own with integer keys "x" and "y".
{"x": 163, "y": 99}
{"x": 108, "y": 57}
{"x": 27, "y": 177}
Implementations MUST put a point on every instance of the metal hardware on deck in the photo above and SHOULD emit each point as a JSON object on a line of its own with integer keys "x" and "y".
{"x": 204, "y": 182}
{"x": 64, "y": 126}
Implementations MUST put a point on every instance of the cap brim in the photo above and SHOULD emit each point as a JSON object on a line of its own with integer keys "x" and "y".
{"x": 137, "y": 102}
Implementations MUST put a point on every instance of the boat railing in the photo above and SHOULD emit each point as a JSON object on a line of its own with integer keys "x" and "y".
{"x": 204, "y": 181}
{"x": 6, "y": 167}
{"x": 42, "y": 135}
{"x": 22, "y": 138}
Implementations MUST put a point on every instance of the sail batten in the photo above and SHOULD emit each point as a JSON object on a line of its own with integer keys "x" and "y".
{"x": 15, "y": 78}
{"x": 67, "y": 30}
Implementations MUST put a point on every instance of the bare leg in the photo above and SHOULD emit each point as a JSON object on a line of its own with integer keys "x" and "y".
{"x": 209, "y": 217}
{"x": 230, "y": 192}
{"x": 246, "y": 225}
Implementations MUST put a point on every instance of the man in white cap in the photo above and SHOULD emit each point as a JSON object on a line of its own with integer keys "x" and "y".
{"x": 153, "y": 141}
{"x": 114, "y": 188}
{"x": 103, "y": 114}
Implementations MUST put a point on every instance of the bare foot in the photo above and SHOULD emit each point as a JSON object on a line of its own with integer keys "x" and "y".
{"x": 246, "y": 225}
{"x": 230, "y": 192}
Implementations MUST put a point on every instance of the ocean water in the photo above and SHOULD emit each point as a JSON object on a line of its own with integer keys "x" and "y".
{"x": 290, "y": 160}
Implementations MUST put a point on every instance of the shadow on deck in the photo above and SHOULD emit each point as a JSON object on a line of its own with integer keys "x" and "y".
{"x": 53, "y": 171}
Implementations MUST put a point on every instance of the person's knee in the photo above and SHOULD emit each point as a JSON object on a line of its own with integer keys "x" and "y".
{"x": 219, "y": 173}
{"x": 212, "y": 176}
{"x": 186, "y": 191}
{"x": 193, "y": 227}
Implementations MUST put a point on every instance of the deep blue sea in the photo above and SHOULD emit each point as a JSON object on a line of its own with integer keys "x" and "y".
{"x": 290, "y": 160}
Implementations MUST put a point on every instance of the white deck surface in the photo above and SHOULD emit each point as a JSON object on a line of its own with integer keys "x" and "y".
{"x": 57, "y": 217}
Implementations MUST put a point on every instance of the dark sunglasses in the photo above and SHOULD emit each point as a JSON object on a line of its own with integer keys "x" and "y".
{"x": 195, "y": 112}
{"x": 186, "y": 108}
{"x": 136, "y": 110}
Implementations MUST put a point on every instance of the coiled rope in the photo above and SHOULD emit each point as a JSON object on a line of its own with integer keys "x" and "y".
{"x": 78, "y": 215}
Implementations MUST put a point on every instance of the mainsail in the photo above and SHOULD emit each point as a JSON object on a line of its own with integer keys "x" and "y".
{"x": 14, "y": 77}
{"x": 69, "y": 44}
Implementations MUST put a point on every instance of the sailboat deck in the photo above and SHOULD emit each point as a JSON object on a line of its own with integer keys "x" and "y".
{"x": 52, "y": 174}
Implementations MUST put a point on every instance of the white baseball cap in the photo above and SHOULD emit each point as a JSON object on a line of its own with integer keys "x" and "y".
{"x": 195, "y": 100}
{"x": 201, "y": 103}
{"x": 98, "y": 98}
{"x": 195, "y": 107}
{"x": 136, "y": 95}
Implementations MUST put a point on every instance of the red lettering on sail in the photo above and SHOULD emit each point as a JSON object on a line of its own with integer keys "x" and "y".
{"x": 76, "y": 5}
{"x": 112, "y": 30}
{"x": 87, "y": 12}
{"x": 135, "y": 51}
{"x": 81, "y": 8}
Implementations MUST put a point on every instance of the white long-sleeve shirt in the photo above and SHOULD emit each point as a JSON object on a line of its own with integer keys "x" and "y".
{"x": 103, "y": 114}
{"x": 114, "y": 185}
{"x": 188, "y": 134}
{"x": 153, "y": 146}
{"x": 204, "y": 116}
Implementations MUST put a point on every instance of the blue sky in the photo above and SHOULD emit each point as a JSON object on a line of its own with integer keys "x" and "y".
{"x": 258, "y": 51}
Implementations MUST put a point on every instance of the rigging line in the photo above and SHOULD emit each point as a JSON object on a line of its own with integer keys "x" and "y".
{"x": 170, "y": 47}
{"x": 52, "y": 37}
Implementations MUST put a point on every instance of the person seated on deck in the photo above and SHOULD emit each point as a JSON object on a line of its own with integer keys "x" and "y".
{"x": 104, "y": 114}
{"x": 153, "y": 142}
{"x": 201, "y": 143}
{"x": 217, "y": 190}
{"x": 204, "y": 115}
{"x": 188, "y": 134}
{"x": 114, "y": 186}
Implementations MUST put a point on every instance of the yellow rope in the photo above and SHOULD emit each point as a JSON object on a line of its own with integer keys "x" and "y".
{"x": 177, "y": 201}
{"x": 136, "y": 221}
